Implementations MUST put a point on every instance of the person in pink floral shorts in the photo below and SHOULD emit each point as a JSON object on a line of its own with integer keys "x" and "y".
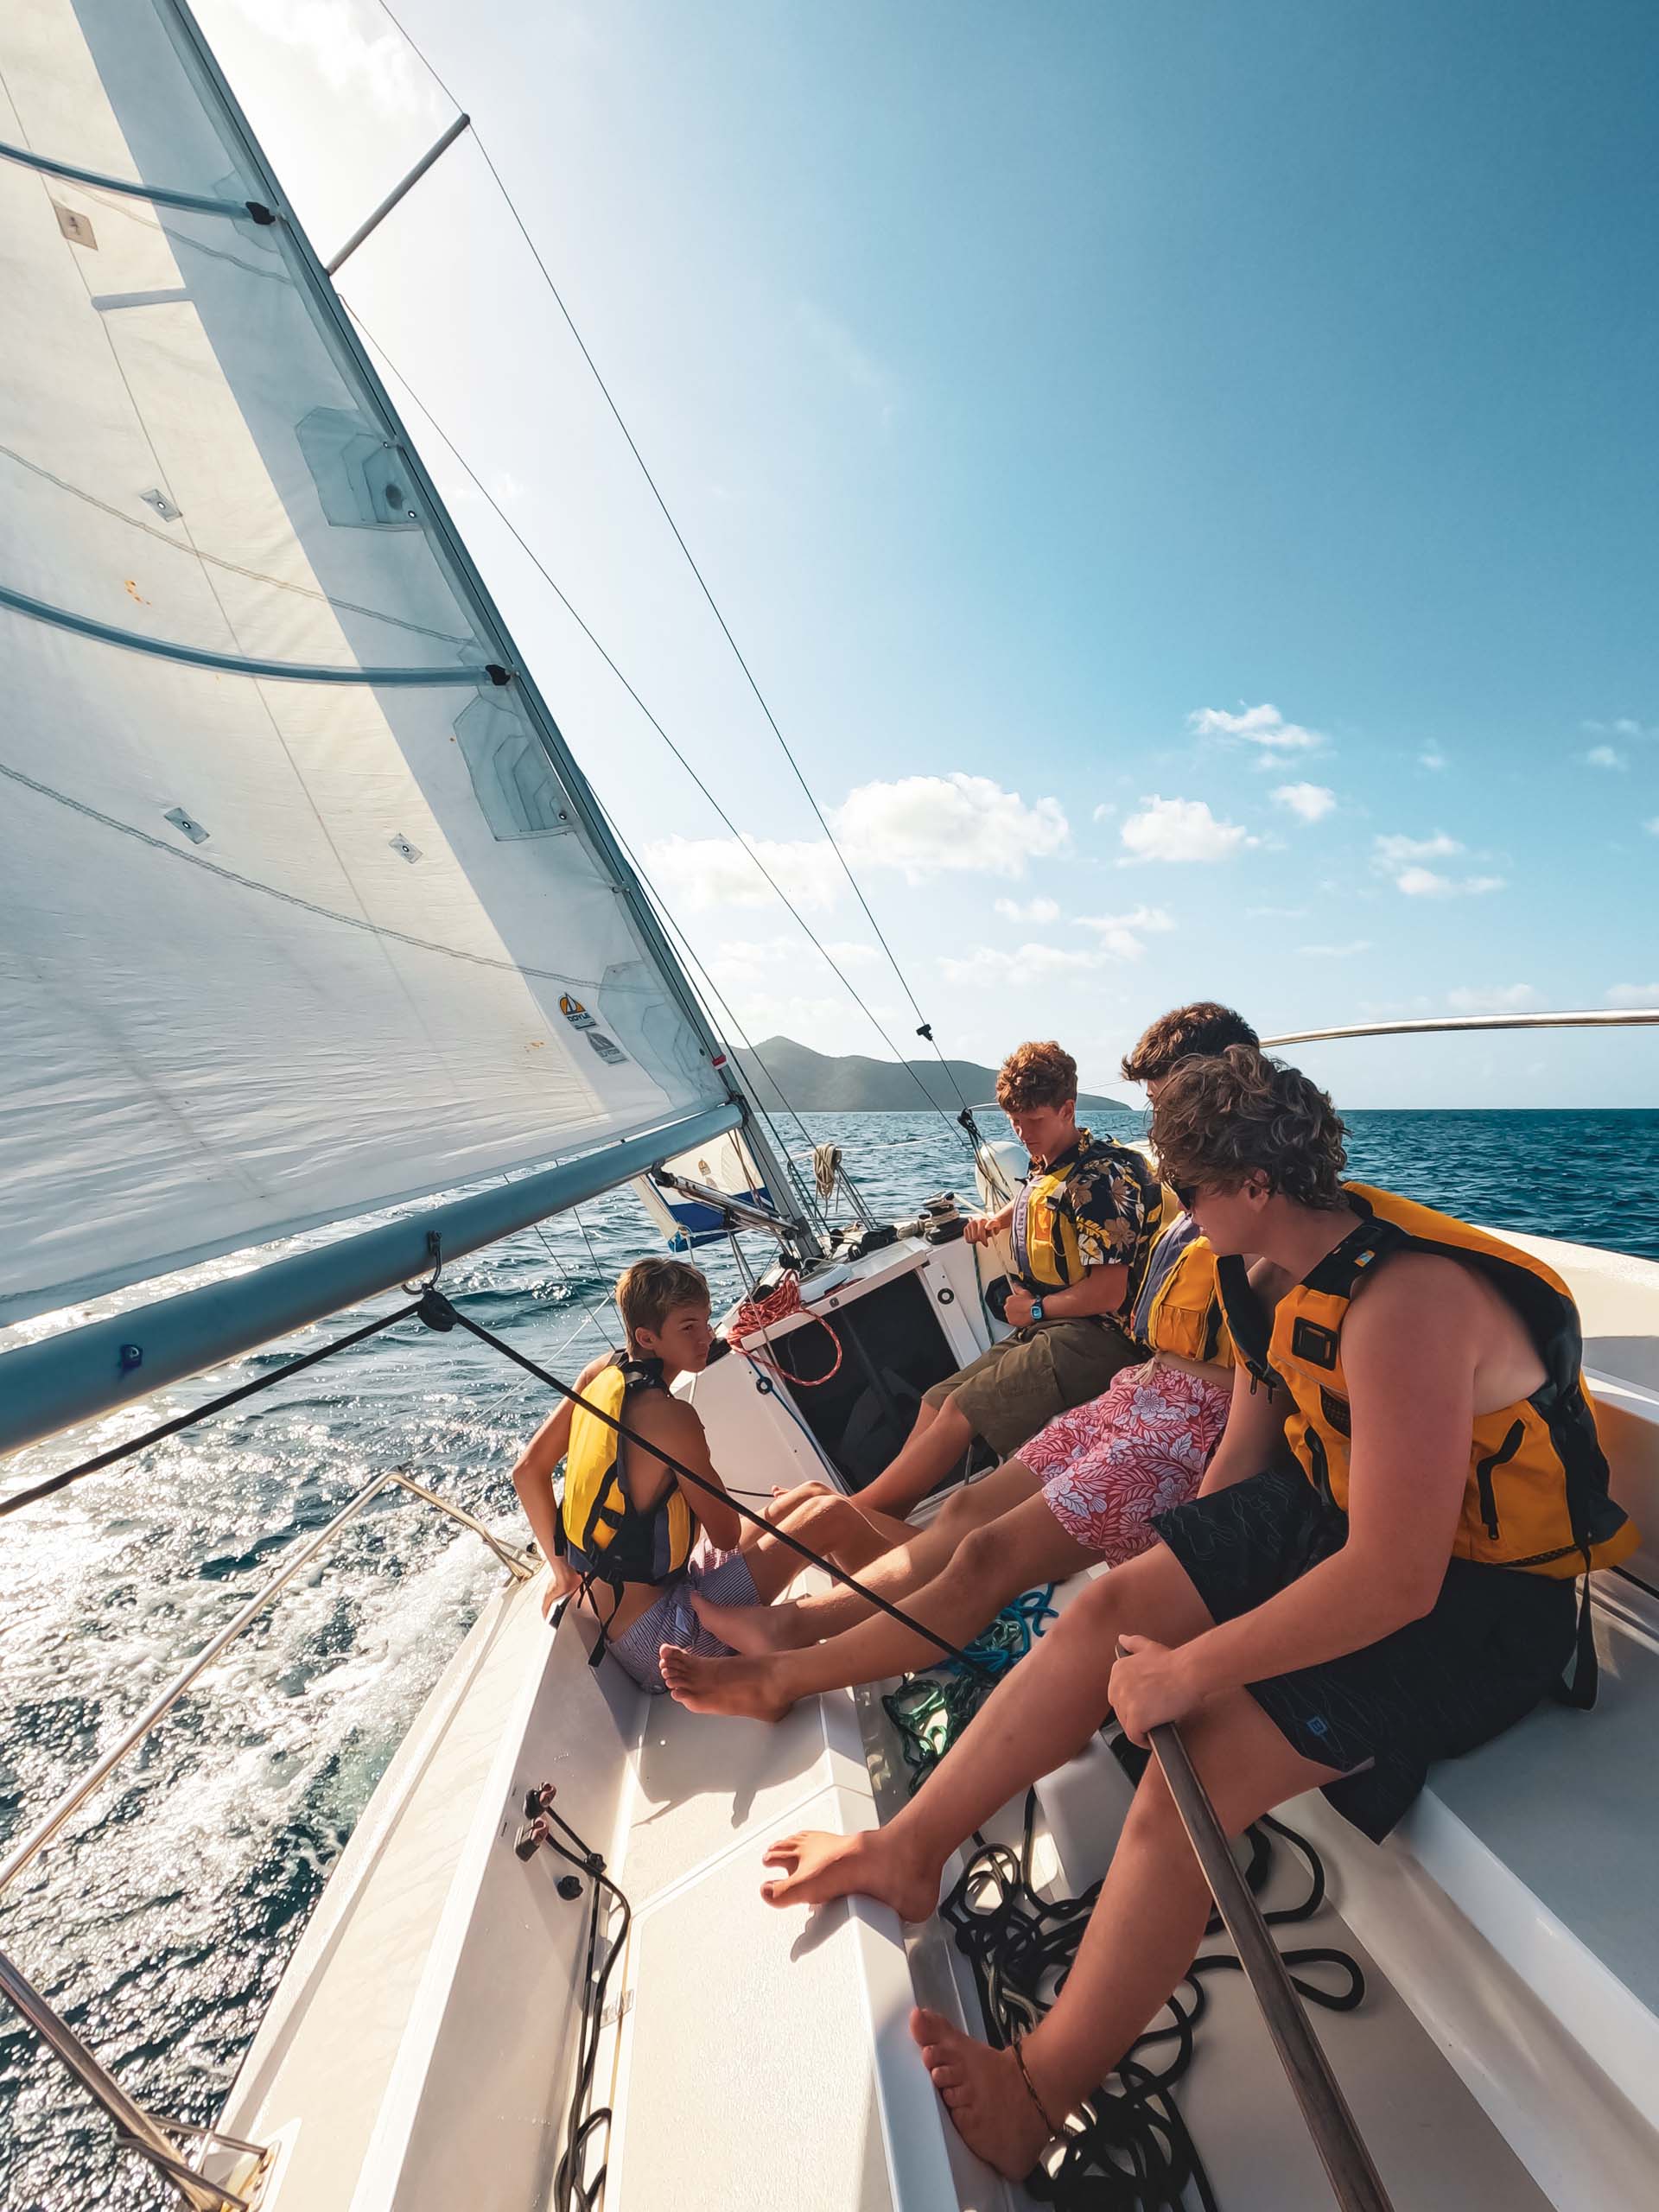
{"x": 1106, "y": 1468}
{"x": 1083, "y": 1489}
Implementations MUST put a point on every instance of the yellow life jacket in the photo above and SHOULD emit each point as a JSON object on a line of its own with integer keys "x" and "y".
{"x": 1536, "y": 1497}
{"x": 1178, "y": 1307}
{"x": 1047, "y": 1250}
{"x": 607, "y": 1537}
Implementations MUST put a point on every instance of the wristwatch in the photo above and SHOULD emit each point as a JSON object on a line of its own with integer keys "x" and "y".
{"x": 1036, "y": 1309}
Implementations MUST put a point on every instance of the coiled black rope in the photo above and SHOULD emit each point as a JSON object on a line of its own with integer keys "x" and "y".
{"x": 1126, "y": 2149}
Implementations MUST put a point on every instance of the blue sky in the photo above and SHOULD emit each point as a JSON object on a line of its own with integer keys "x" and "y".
{"x": 1184, "y": 479}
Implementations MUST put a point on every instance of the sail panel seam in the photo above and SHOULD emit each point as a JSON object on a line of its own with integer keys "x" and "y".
{"x": 308, "y": 905}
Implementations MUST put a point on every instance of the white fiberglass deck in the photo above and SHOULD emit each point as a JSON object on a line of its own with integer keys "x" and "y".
{"x": 418, "y": 2054}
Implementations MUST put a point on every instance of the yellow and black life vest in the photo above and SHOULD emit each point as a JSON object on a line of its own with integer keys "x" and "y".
{"x": 1178, "y": 1307}
{"x": 607, "y": 1537}
{"x": 1047, "y": 1250}
{"x": 1537, "y": 1496}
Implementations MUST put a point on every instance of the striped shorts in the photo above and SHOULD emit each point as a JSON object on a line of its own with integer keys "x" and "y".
{"x": 723, "y": 1576}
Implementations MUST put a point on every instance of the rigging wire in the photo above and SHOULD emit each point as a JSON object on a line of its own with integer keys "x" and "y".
{"x": 721, "y": 1005}
{"x": 530, "y": 553}
{"x": 924, "y": 1028}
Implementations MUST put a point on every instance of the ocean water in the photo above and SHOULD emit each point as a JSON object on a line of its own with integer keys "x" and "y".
{"x": 159, "y": 1921}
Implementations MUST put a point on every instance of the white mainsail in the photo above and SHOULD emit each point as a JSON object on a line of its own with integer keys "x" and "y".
{"x": 283, "y": 943}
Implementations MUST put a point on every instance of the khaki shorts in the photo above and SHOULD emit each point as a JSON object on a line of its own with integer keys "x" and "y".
{"x": 1008, "y": 1393}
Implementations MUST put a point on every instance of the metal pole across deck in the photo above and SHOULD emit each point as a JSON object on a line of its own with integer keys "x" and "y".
{"x": 1355, "y": 2182}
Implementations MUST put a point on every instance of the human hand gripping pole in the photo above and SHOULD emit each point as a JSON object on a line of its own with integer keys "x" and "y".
{"x": 438, "y": 1313}
{"x": 1353, "y": 2178}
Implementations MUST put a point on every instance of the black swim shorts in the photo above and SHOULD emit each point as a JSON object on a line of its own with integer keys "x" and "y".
{"x": 1492, "y": 1648}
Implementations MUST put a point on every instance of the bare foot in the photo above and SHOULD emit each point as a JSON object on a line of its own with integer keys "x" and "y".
{"x": 988, "y": 2104}
{"x": 816, "y": 1867}
{"x": 753, "y": 1630}
{"x": 745, "y": 1687}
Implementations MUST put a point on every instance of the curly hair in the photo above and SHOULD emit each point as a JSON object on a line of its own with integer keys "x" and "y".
{"x": 1220, "y": 1120}
{"x": 1198, "y": 1032}
{"x": 1036, "y": 1075}
{"x": 648, "y": 1292}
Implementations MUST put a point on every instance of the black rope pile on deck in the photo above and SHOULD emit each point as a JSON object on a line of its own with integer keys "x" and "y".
{"x": 929, "y": 1711}
{"x": 1128, "y": 2148}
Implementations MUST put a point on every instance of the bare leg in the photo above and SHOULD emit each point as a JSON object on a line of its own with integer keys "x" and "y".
{"x": 833, "y": 1525}
{"x": 1140, "y": 1939}
{"x": 1039, "y": 1716}
{"x": 934, "y": 1448}
{"x": 911, "y": 1564}
{"x": 989, "y": 1565}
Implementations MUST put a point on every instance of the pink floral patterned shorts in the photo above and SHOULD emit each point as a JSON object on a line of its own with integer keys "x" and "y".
{"x": 1107, "y": 1467}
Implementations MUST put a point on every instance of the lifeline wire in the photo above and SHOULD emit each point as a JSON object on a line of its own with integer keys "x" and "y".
{"x": 438, "y": 1313}
{"x": 68, "y": 1475}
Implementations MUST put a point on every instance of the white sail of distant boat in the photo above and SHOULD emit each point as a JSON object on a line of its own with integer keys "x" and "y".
{"x": 303, "y": 909}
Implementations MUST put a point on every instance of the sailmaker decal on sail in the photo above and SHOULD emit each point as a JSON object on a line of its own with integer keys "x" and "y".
{"x": 353, "y": 1003}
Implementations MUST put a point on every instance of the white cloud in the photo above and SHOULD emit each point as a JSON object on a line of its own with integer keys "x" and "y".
{"x": 1275, "y": 913}
{"x": 1336, "y": 951}
{"x": 1424, "y": 883}
{"x": 1401, "y": 858}
{"x": 1120, "y": 935}
{"x": 703, "y": 871}
{"x": 1310, "y": 802}
{"x": 352, "y": 48}
{"x": 926, "y": 825}
{"x": 1509, "y": 998}
{"x": 1652, "y": 827}
{"x": 1180, "y": 829}
{"x": 741, "y": 961}
{"x": 1104, "y": 811}
{"x": 921, "y": 825}
{"x": 1634, "y": 995}
{"x": 991, "y": 966}
{"x": 1263, "y": 725}
{"x": 1394, "y": 852}
{"x": 1035, "y": 910}
{"x": 1624, "y": 726}
{"x": 1605, "y": 756}
{"x": 1431, "y": 759}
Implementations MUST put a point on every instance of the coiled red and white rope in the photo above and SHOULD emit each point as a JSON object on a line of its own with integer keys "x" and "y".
{"x": 755, "y": 1314}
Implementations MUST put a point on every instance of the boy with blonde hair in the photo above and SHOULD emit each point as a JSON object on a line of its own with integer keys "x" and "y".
{"x": 631, "y": 1539}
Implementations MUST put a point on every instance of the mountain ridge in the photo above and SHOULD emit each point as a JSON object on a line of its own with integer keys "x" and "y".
{"x": 779, "y": 1073}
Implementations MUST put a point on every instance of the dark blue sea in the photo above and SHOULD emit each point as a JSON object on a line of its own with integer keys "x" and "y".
{"x": 160, "y": 1920}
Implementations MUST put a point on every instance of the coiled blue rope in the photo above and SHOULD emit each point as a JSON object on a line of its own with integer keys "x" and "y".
{"x": 929, "y": 1711}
